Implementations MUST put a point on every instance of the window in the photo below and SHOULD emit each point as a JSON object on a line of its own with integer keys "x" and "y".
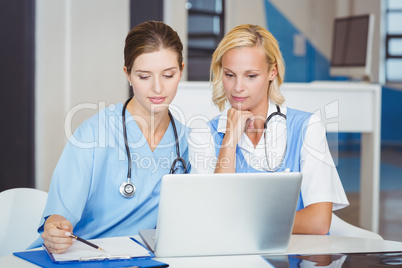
{"x": 205, "y": 30}
{"x": 393, "y": 57}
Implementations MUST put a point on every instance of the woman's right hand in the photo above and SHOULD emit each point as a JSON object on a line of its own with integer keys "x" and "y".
{"x": 54, "y": 234}
{"x": 237, "y": 123}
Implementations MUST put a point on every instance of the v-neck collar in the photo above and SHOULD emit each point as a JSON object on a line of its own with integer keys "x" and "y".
{"x": 137, "y": 140}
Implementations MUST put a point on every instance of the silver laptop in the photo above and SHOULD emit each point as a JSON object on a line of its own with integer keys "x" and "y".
{"x": 224, "y": 214}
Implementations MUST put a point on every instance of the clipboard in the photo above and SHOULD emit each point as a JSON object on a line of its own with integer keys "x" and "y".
{"x": 116, "y": 248}
{"x": 141, "y": 258}
{"x": 41, "y": 258}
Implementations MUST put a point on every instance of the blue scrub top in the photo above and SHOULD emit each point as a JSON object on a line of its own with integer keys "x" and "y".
{"x": 296, "y": 125}
{"x": 85, "y": 184}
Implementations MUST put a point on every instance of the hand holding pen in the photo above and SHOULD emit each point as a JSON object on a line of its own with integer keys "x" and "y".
{"x": 79, "y": 239}
{"x": 55, "y": 239}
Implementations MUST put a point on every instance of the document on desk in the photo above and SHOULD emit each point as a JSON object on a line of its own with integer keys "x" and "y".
{"x": 116, "y": 248}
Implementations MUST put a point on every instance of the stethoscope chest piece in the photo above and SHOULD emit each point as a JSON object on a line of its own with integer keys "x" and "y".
{"x": 127, "y": 189}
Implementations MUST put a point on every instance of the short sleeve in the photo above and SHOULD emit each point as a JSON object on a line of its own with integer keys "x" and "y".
{"x": 321, "y": 182}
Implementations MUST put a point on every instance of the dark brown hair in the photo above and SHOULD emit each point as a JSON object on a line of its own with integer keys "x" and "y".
{"x": 151, "y": 36}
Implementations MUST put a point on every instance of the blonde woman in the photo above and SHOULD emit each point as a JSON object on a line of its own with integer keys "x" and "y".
{"x": 259, "y": 134}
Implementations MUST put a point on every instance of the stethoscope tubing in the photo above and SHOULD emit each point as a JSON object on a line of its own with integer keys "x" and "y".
{"x": 125, "y": 139}
{"x": 279, "y": 113}
{"x": 172, "y": 168}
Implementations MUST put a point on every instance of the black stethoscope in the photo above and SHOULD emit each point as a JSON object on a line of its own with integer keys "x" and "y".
{"x": 127, "y": 189}
{"x": 277, "y": 113}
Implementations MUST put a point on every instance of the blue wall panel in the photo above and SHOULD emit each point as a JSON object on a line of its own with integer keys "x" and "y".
{"x": 312, "y": 66}
{"x": 391, "y": 116}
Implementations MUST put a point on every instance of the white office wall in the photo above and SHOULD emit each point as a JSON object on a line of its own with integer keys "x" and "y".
{"x": 175, "y": 15}
{"x": 244, "y": 12}
{"x": 79, "y": 63}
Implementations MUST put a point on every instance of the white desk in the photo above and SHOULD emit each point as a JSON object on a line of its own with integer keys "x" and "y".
{"x": 299, "y": 244}
{"x": 343, "y": 106}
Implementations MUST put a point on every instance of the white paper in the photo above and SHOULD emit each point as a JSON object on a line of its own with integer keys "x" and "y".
{"x": 115, "y": 248}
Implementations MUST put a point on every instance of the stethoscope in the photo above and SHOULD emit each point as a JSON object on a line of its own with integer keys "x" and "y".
{"x": 277, "y": 113}
{"x": 127, "y": 189}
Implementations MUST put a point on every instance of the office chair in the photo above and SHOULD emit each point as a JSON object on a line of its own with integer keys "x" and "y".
{"x": 20, "y": 210}
{"x": 340, "y": 227}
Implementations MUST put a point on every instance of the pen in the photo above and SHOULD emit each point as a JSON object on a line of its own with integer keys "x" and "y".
{"x": 79, "y": 239}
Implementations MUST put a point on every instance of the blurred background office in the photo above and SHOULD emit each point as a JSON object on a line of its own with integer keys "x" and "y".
{"x": 62, "y": 61}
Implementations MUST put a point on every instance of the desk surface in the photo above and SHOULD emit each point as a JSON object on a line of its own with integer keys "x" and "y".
{"x": 299, "y": 244}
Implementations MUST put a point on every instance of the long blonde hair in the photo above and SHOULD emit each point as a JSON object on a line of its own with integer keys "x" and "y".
{"x": 247, "y": 35}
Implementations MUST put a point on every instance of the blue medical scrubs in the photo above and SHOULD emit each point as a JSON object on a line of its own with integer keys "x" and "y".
{"x": 296, "y": 123}
{"x": 85, "y": 184}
